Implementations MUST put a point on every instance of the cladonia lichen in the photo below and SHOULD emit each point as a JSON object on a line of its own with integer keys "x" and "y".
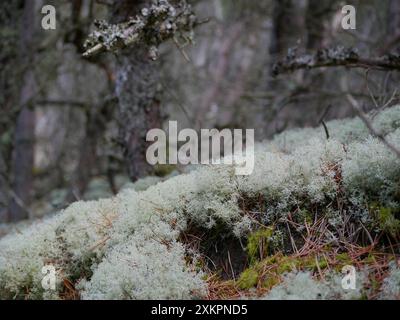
{"x": 130, "y": 246}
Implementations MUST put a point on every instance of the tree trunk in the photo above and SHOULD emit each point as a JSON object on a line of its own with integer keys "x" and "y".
{"x": 314, "y": 25}
{"x": 394, "y": 16}
{"x": 284, "y": 28}
{"x": 22, "y": 162}
{"x": 317, "y": 13}
{"x": 286, "y": 25}
{"x": 10, "y": 79}
{"x": 137, "y": 80}
{"x": 3, "y": 190}
{"x": 394, "y": 24}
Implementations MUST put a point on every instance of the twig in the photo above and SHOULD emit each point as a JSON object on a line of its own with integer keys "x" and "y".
{"x": 19, "y": 202}
{"x": 321, "y": 121}
{"x": 325, "y": 129}
{"x": 369, "y": 89}
{"x": 367, "y": 122}
{"x": 181, "y": 49}
{"x": 230, "y": 263}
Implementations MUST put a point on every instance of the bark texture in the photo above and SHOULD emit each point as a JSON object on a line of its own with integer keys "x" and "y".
{"x": 137, "y": 79}
{"x": 25, "y": 126}
{"x": 284, "y": 27}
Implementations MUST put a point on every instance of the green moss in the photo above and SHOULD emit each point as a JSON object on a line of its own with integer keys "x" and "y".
{"x": 248, "y": 279}
{"x": 363, "y": 296}
{"x": 271, "y": 260}
{"x": 388, "y": 222}
{"x": 199, "y": 265}
{"x": 163, "y": 170}
{"x": 385, "y": 218}
{"x": 370, "y": 259}
{"x": 375, "y": 284}
{"x": 269, "y": 271}
{"x": 310, "y": 263}
{"x": 320, "y": 263}
{"x": 270, "y": 282}
{"x": 304, "y": 216}
{"x": 287, "y": 264}
{"x": 258, "y": 244}
{"x": 343, "y": 257}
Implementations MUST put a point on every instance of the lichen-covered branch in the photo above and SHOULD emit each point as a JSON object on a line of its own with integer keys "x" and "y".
{"x": 334, "y": 57}
{"x": 152, "y": 26}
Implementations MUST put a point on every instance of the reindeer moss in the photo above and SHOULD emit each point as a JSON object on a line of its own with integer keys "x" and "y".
{"x": 131, "y": 246}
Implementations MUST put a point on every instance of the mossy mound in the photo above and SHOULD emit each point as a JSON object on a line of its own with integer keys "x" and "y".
{"x": 305, "y": 191}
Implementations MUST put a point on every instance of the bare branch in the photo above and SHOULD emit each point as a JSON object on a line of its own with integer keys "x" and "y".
{"x": 370, "y": 126}
{"x": 334, "y": 57}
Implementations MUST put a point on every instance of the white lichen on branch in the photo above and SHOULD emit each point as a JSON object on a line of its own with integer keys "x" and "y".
{"x": 333, "y": 57}
{"x": 154, "y": 25}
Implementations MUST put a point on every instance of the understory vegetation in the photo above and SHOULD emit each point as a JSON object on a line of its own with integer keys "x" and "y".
{"x": 312, "y": 205}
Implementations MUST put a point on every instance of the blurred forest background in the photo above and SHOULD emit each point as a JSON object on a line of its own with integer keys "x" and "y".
{"x": 74, "y": 128}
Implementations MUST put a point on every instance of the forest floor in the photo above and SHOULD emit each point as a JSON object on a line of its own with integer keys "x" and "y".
{"x": 314, "y": 207}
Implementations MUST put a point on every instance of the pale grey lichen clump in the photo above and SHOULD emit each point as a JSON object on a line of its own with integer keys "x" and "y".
{"x": 147, "y": 271}
{"x": 130, "y": 246}
{"x": 68, "y": 241}
{"x": 302, "y": 286}
{"x": 344, "y": 131}
{"x": 391, "y": 285}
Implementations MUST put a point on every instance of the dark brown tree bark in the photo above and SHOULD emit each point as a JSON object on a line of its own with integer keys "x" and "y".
{"x": 314, "y": 25}
{"x": 9, "y": 17}
{"x": 22, "y": 162}
{"x": 284, "y": 28}
{"x": 394, "y": 17}
{"x": 77, "y": 34}
{"x": 394, "y": 25}
{"x": 317, "y": 13}
{"x": 137, "y": 80}
{"x": 3, "y": 190}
